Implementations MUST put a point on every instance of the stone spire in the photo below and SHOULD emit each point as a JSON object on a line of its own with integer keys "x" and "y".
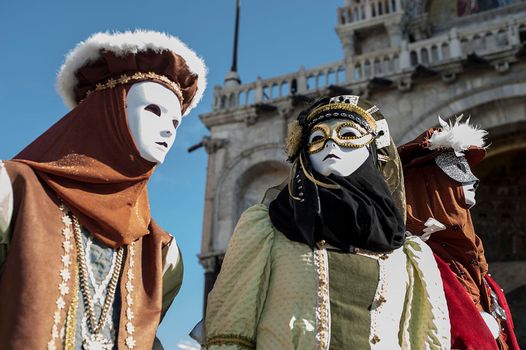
{"x": 232, "y": 78}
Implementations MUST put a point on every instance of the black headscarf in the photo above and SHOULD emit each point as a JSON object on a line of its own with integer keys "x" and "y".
{"x": 361, "y": 213}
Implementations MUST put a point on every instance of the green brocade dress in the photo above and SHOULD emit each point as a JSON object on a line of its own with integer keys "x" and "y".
{"x": 276, "y": 294}
{"x": 353, "y": 282}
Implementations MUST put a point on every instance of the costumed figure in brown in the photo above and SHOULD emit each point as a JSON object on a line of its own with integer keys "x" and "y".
{"x": 440, "y": 190}
{"x": 82, "y": 263}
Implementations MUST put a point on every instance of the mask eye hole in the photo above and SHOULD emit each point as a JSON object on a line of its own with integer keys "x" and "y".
{"x": 175, "y": 123}
{"x": 462, "y": 167}
{"x": 347, "y": 131}
{"x": 316, "y": 136}
{"x": 153, "y": 109}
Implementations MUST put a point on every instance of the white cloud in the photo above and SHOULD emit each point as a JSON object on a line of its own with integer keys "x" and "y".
{"x": 188, "y": 345}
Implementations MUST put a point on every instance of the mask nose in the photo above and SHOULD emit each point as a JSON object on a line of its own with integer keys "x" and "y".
{"x": 330, "y": 143}
{"x": 166, "y": 133}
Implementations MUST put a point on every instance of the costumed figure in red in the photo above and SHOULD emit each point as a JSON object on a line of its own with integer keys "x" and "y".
{"x": 440, "y": 190}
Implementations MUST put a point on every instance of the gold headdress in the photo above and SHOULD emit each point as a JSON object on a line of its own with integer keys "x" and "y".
{"x": 341, "y": 107}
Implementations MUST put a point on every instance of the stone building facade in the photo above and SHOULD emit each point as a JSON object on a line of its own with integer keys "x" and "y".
{"x": 416, "y": 59}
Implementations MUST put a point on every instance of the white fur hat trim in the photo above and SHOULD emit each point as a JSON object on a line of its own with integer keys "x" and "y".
{"x": 121, "y": 44}
{"x": 457, "y": 136}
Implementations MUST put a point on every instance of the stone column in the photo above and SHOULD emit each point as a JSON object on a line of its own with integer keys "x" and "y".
{"x": 258, "y": 94}
{"x": 455, "y": 47}
{"x": 348, "y": 44}
{"x": 513, "y": 35}
{"x": 218, "y": 92}
{"x": 302, "y": 81}
{"x": 368, "y": 9}
{"x": 395, "y": 33}
{"x": 212, "y": 266}
{"x": 405, "y": 59}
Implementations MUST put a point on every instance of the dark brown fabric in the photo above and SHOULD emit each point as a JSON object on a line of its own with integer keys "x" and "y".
{"x": 30, "y": 277}
{"x": 432, "y": 194}
{"x": 110, "y": 65}
{"x": 91, "y": 162}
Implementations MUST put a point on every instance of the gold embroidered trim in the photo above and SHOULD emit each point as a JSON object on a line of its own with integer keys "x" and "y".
{"x": 71, "y": 318}
{"x": 139, "y": 76}
{"x": 346, "y": 107}
{"x": 130, "y": 328}
{"x": 323, "y": 316}
{"x": 379, "y": 298}
{"x": 231, "y": 339}
{"x": 65, "y": 275}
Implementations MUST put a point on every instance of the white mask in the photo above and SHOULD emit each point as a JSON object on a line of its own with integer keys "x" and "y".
{"x": 153, "y": 114}
{"x": 469, "y": 193}
{"x": 336, "y": 158}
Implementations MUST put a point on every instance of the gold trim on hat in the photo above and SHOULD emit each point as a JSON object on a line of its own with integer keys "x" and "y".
{"x": 139, "y": 76}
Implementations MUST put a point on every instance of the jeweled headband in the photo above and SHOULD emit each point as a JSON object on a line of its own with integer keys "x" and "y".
{"x": 345, "y": 111}
{"x": 139, "y": 76}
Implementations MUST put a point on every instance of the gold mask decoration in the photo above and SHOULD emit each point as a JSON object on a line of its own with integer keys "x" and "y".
{"x": 345, "y": 133}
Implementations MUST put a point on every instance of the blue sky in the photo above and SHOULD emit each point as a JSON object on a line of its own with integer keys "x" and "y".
{"x": 276, "y": 37}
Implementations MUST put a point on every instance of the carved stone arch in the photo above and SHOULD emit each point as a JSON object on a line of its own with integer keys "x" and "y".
{"x": 468, "y": 103}
{"x": 242, "y": 181}
{"x": 499, "y": 214}
{"x": 255, "y": 181}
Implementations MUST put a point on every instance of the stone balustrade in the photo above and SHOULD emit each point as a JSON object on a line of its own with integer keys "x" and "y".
{"x": 363, "y": 10}
{"x": 497, "y": 36}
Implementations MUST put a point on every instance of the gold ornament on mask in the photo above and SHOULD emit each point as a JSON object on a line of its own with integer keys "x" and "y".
{"x": 333, "y": 131}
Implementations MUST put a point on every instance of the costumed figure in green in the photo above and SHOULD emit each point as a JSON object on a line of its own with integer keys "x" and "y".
{"x": 326, "y": 264}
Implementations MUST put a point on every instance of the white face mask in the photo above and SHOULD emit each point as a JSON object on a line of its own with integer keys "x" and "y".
{"x": 334, "y": 158}
{"x": 154, "y": 113}
{"x": 469, "y": 193}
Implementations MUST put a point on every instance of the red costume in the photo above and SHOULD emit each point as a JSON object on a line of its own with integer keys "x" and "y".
{"x": 432, "y": 193}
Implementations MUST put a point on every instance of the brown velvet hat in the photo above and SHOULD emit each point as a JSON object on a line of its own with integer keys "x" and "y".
{"x": 89, "y": 158}
{"x": 106, "y": 60}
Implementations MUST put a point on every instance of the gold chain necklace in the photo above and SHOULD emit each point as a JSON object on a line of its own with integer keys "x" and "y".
{"x": 96, "y": 340}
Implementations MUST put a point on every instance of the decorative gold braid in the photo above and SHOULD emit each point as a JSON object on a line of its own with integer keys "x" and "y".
{"x": 71, "y": 318}
{"x": 347, "y": 107}
{"x": 312, "y": 179}
{"x": 231, "y": 339}
{"x": 94, "y": 326}
{"x": 139, "y": 76}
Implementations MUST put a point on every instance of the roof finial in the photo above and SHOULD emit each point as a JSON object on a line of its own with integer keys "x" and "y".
{"x": 232, "y": 78}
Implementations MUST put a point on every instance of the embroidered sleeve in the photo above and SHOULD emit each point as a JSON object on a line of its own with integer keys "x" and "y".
{"x": 236, "y": 302}
{"x": 172, "y": 274}
{"x": 425, "y": 322}
{"x": 6, "y": 211}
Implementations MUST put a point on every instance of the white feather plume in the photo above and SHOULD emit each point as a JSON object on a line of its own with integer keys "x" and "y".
{"x": 122, "y": 43}
{"x": 457, "y": 135}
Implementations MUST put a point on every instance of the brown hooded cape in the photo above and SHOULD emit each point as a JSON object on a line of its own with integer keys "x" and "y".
{"x": 89, "y": 161}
